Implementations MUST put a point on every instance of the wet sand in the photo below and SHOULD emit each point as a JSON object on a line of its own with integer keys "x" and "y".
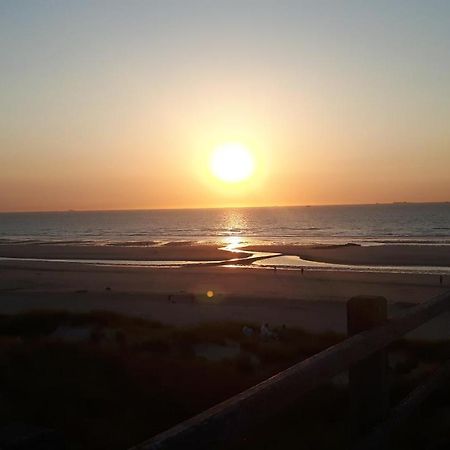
{"x": 377, "y": 255}
{"x": 170, "y": 252}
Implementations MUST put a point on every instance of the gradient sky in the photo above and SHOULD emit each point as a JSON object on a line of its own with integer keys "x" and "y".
{"x": 112, "y": 105}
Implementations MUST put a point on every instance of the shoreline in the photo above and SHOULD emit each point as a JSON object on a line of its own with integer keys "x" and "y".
{"x": 332, "y": 257}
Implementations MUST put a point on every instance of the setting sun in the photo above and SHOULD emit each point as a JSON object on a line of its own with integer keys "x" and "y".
{"x": 232, "y": 162}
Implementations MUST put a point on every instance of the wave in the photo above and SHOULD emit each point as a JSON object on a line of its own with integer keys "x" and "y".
{"x": 418, "y": 224}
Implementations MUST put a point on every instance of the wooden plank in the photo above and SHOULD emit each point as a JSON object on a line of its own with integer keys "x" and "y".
{"x": 368, "y": 385}
{"x": 227, "y": 421}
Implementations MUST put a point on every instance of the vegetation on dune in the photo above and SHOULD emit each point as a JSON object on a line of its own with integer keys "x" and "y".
{"x": 125, "y": 378}
{"x": 130, "y": 378}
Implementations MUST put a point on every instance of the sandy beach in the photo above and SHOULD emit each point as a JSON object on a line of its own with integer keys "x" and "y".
{"x": 314, "y": 301}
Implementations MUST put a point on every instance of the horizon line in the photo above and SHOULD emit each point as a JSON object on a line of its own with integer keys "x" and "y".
{"x": 306, "y": 205}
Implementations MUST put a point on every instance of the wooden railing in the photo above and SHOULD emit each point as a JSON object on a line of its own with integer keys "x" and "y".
{"x": 362, "y": 353}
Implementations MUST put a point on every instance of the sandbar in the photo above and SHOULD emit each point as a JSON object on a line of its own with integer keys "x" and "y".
{"x": 376, "y": 255}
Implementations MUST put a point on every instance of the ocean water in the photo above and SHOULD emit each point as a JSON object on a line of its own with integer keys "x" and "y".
{"x": 384, "y": 223}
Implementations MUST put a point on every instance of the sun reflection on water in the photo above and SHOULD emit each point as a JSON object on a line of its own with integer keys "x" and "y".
{"x": 235, "y": 223}
{"x": 232, "y": 243}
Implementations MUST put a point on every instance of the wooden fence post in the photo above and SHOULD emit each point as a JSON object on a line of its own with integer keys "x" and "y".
{"x": 369, "y": 390}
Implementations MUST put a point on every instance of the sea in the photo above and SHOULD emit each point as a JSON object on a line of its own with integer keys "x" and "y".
{"x": 400, "y": 223}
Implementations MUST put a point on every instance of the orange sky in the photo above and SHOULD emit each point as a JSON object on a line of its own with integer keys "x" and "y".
{"x": 121, "y": 108}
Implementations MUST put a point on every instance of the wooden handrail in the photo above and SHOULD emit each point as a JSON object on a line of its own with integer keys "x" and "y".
{"x": 232, "y": 418}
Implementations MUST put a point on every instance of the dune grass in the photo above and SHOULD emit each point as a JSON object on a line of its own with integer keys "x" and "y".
{"x": 133, "y": 377}
{"x": 130, "y": 379}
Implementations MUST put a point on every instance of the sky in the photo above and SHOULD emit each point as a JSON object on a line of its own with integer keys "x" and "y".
{"x": 119, "y": 104}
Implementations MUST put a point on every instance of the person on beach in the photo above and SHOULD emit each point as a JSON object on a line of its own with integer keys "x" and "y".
{"x": 266, "y": 332}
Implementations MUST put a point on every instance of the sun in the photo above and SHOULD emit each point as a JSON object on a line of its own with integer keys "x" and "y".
{"x": 232, "y": 162}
